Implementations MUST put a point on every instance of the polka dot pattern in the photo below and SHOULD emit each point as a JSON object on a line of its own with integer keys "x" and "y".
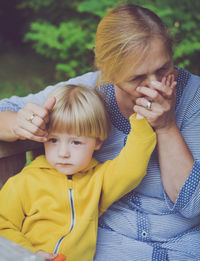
{"x": 182, "y": 80}
{"x": 132, "y": 199}
{"x": 143, "y": 226}
{"x": 159, "y": 253}
{"x": 118, "y": 120}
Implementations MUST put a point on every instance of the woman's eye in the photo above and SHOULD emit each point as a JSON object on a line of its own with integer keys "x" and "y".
{"x": 138, "y": 78}
{"x": 162, "y": 71}
{"x": 52, "y": 140}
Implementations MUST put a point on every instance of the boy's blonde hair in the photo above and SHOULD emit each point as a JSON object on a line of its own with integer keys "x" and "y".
{"x": 79, "y": 110}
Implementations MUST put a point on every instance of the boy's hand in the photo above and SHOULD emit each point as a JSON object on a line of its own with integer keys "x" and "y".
{"x": 46, "y": 256}
{"x": 60, "y": 257}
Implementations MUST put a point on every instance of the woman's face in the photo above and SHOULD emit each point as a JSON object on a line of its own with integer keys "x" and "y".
{"x": 156, "y": 64}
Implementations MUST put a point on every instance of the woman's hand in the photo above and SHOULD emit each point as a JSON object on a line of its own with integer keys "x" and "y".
{"x": 175, "y": 158}
{"x": 162, "y": 97}
{"x": 30, "y": 121}
{"x": 46, "y": 256}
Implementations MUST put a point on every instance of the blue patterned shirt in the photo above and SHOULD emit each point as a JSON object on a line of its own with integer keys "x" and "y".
{"x": 145, "y": 225}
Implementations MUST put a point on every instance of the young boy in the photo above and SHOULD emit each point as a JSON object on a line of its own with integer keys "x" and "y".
{"x": 53, "y": 205}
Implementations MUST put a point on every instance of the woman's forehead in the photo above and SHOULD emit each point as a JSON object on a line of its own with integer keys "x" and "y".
{"x": 153, "y": 59}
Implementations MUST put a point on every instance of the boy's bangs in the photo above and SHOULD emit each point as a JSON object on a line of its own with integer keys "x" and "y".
{"x": 79, "y": 110}
{"x": 70, "y": 123}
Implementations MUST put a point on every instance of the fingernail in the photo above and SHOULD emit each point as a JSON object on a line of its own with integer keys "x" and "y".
{"x": 44, "y": 139}
{"x": 153, "y": 82}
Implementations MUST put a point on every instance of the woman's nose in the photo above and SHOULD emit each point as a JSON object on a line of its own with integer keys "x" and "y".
{"x": 149, "y": 79}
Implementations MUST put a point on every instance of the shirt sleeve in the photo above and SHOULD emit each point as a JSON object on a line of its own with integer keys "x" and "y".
{"x": 12, "y": 215}
{"x": 15, "y": 103}
{"x": 127, "y": 170}
{"x": 188, "y": 200}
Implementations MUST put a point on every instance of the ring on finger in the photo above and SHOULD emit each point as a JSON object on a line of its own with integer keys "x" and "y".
{"x": 31, "y": 117}
{"x": 149, "y": 105}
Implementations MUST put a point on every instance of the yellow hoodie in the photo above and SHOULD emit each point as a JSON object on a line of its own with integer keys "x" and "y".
{"x": 42, "y": 209}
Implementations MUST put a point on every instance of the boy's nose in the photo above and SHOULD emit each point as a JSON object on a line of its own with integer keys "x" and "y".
{"x": 64, "y": 151}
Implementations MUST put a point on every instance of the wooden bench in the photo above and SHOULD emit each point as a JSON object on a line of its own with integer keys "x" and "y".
{"x": 12, "y": 160}
{"x": 13, "y": 156}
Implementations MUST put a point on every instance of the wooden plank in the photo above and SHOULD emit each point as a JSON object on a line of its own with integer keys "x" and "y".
{"x": 10, "y": 166}
{"x": 16, "y": 147}
{"x": 10, "y": 251}
{"x": 13, "y": 156}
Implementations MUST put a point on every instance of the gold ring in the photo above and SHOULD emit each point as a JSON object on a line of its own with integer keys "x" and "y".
{"x": 31, "y": 118}
{"x": 149, "y": 105}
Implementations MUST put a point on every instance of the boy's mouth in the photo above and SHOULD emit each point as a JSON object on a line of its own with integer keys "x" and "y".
{"x": 63, "y": 164}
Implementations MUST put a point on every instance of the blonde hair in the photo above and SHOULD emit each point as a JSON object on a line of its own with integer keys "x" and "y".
{"x": 127, "y": 30}
{"x": 79, "y": 110}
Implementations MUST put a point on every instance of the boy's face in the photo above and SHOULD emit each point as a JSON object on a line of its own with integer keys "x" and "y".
{"x": 69, "y": 153}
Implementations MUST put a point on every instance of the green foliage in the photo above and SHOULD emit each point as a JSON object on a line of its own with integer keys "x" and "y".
{"x": 184, "y": 25}
{"x": 64, "y": 30}
{"x": 97, "y": 7}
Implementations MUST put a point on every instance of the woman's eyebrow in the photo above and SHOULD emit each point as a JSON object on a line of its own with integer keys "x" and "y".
{"x": 167, "y": 64}
{"x": 135, "y": 76}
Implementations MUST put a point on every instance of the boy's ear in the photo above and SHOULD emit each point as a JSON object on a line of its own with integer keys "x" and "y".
{"x": 98, "y": 144}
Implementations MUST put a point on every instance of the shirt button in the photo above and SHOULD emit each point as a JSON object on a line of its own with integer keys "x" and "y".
{"x": 144, "y": 233}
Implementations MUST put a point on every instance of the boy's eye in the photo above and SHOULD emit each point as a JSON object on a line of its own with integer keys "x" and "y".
{"x": 52, "y": 140}
{"x": 76, "y": 142}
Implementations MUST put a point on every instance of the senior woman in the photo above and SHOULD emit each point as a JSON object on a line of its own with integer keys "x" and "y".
{"x": 159, "y": 220}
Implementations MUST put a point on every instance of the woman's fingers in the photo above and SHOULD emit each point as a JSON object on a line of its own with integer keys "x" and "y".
{"x": 27, "y": 130}
{"x": 39, "y": 119}
{"x": 157, "y": 103}
{"x": 36, "y": 110}
{"x": 49, "y": 103}
{"x": 32, "y": 119}
{"x": 39, "y": 122}
{"x": 148, "y": 109}
{"x": 166, "y": 89}
{"x": 24, "y": 134}
{"x": 147, "y": 92}
{"x": 161, "y": 93}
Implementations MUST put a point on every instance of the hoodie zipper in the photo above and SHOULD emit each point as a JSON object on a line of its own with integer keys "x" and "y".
{"x": 72, "y": 208}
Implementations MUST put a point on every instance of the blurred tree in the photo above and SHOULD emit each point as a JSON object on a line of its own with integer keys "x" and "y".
{"x": 12, "y": 22}
{"x": 64, "y": 30}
